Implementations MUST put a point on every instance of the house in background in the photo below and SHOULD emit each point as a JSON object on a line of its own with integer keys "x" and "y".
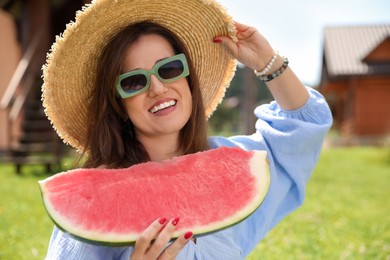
{"x": 27, "y": 29}
{"x": 356, "y": 80}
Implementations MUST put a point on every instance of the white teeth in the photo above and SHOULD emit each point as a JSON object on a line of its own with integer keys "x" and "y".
{"x": 162, "y": 106}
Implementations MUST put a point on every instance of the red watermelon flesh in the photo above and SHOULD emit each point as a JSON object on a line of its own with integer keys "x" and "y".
{"x": 208, "y": 190}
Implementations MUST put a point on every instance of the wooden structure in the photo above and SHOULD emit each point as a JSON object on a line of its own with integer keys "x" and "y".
{"x": 31, "y": 138}
{"x": 356, "y": 79}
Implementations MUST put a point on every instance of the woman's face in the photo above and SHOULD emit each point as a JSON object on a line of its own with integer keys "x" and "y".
{"x": 165, "y": 107}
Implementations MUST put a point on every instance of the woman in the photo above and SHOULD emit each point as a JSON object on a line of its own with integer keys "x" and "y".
{"x": 146, "y": 97}
{"x": 131, "y": 45}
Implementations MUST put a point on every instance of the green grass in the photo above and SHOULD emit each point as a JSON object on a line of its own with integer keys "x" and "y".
{"x": 25, "y": 228}
{"x": 346, "y": 212}
{"x": 345, "y": 215}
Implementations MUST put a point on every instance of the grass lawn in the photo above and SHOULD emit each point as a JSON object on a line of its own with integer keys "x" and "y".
{"x": 346, "y": 212}
{"x": 345, "y": 215}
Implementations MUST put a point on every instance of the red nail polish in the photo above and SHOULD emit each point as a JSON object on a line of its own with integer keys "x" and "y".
{"x": 188, "y": 235}
{"x": 216, "y": 40}
{"x": 162, "y": 221}
{"x": 175, "y": 221}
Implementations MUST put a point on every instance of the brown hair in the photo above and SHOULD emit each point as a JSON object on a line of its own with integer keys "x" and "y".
{"x": 111, "y": 140}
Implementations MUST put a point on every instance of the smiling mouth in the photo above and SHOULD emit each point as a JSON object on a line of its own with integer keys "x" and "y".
{"x": 162, "y": 106}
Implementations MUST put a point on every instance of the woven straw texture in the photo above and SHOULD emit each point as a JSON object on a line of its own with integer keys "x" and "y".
{"x": 68, "y": 73}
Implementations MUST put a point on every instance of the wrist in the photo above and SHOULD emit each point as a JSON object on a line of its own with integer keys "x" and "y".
{"x": 275, "y": 62}
{"x": 274, "y": 73}
{"x": 266, "y": 67}
{"x": 276, "y": 65}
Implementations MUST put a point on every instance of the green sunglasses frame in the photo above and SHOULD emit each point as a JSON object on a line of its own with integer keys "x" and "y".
{"x": 179, "y": 57}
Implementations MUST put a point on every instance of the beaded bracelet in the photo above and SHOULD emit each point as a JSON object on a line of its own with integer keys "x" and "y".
{"x": 276, "y": 73}
{"x": 268, "y": 67}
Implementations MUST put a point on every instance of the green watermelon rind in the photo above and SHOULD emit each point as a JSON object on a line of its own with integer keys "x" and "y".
{"x": 263, "y": 184}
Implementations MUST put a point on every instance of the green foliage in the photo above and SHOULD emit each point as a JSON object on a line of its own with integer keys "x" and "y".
{"x": 345, "y": 215}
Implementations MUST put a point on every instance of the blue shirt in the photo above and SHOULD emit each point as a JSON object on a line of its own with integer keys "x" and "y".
{"x": 293, "y": 140}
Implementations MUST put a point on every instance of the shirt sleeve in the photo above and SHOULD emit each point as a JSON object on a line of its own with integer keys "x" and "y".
{"x": 293, "y": 140}
{"x": 62, "y": 246}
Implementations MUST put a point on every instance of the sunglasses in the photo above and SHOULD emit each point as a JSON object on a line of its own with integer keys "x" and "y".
{"x": 166, "y": 70}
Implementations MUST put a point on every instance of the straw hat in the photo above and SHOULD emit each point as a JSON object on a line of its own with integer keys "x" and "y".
{"x": 68, "y": 74}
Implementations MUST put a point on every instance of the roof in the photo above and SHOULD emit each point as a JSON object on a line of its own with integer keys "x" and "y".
{"x": 345, "y": 48}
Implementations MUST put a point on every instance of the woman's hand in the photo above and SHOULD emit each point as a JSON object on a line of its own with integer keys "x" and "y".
{"x": 252, "y": 49}
{"x": 155, "y": 238}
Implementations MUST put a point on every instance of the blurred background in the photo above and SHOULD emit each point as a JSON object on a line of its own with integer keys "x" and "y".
{"x": 341, "y": 48}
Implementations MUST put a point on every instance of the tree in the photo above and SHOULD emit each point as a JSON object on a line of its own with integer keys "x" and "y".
{"x": 235, "y": 114}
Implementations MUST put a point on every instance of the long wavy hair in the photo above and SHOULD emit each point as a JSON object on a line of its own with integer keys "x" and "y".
{"x": 111, "y": 139}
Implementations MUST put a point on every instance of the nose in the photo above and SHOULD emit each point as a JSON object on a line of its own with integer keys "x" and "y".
{"x": 156, "y": 87}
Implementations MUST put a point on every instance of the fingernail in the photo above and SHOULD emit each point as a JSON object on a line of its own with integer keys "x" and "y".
{"x": 188, "y": 235}
{"x": 162, "y": 221}
{"x": 175, "y": 221}
{"x": 216, "y": 40}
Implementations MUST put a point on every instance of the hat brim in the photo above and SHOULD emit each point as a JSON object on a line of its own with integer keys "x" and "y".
{"x": 69, "y": 76}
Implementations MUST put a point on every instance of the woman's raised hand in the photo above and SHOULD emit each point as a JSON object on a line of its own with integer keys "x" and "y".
{"x": 152, "y": 243}
{"x": 254, "y": 51}
{"x": 252, "y": 48}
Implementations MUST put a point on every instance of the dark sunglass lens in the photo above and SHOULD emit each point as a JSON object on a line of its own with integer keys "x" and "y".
{"x": 171, "y": 69}
{"x": 133, "y": 83}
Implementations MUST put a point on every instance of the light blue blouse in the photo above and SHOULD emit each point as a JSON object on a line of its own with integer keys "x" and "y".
{"x": 293, "y": 140}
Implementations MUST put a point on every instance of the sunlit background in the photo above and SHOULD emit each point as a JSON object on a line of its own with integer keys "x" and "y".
{"x": 295, "y": 28}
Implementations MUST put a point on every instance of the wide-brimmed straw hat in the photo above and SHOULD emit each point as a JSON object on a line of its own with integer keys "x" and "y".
{"x": 69, "y": 72}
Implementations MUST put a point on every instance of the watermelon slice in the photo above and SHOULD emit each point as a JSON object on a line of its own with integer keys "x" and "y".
{"x": 208, "y": 190}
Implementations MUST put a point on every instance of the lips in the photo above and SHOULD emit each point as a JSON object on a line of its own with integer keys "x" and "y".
{"x": 162, "y": 105}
